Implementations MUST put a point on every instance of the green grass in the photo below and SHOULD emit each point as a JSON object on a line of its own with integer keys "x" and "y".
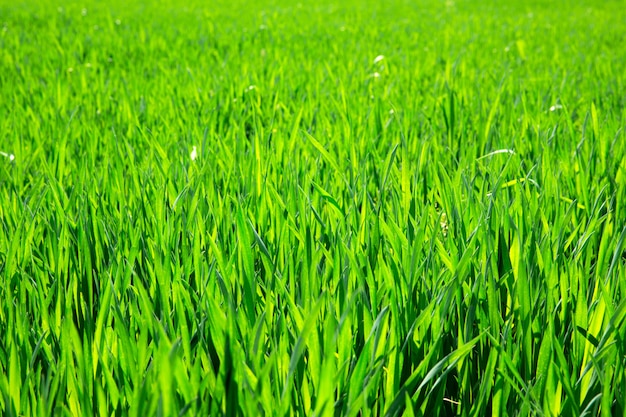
{"x": 439, "y": 232}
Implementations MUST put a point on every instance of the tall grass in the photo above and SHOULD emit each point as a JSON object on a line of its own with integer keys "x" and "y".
{"x": 409, "y": 208}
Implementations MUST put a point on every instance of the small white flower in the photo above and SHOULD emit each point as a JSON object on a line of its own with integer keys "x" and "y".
{"x": 443, "y": 223}
{"x": 556, "y": 107}
{"x": 194, "y": 153}
{"x": 376, "y": 75}
{"x": 378, "y": 59}
{"x": 252, "y": 87}
{"x": 392, "y": 111}
{"x": 8, "y": 155}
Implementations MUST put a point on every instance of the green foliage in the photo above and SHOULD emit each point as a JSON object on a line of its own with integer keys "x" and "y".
{"x": 405, "y": 208}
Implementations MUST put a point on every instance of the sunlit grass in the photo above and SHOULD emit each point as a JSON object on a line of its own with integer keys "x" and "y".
{"x": 279, "y": 208}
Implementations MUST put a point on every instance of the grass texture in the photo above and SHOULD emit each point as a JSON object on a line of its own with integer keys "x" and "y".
{"x": 325, "y": 208}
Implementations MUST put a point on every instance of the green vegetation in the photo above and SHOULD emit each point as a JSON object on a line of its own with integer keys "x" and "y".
{"x": 404, "y": 208}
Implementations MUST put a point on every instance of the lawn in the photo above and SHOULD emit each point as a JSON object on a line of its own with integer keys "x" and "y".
{"x": 344, "y": 208}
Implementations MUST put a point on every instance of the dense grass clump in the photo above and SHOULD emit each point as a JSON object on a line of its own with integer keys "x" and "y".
{"x": 339, "y": 208}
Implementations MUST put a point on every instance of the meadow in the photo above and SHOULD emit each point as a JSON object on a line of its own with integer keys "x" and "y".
{"x": 323, "y": 208}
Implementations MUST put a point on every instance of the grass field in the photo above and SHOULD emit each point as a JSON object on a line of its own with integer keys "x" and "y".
{"x": 317, "y": 208}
